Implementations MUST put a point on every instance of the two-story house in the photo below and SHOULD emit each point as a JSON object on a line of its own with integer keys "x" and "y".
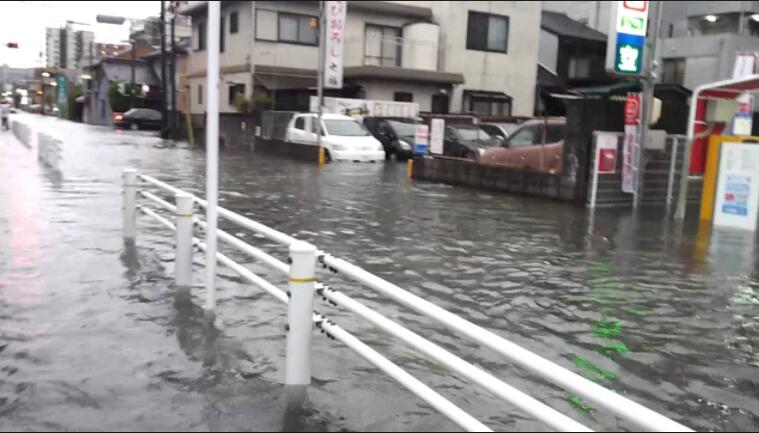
{"x": 423, "y": 52}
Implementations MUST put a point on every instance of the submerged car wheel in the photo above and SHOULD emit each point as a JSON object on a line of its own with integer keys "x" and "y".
{"x": 133, "y": 126}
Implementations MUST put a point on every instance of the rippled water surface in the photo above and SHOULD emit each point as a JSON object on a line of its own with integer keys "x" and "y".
{"x": 94, "y": 336}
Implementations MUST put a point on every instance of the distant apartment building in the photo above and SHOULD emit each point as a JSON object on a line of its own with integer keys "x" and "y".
{"x": 149, "y": 30}
{"x": 422, "y": 51}
{"x": 67, "y": 48}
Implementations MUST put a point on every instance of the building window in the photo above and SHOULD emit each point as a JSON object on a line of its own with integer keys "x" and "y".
{"x": 233, "y": 23}
{"x": 201, "y": 45}
{"x": 673, "y": 71}
{"x": 234, "y": 90}
{"x": 403, "y": 97}
{"x": 440, "y": 104}
{"x": 221, "y": 34}
{"x": 487, "y": 32}
{"x": 299, "y": 29}
{"x": 579, "y": 67}
{"x": 200, "y": 94}
{"x": 490, "y": 106}
{"x": 382, "y": 45}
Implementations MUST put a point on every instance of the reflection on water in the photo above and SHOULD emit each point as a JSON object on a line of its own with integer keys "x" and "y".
{"x": 662, "y": 314}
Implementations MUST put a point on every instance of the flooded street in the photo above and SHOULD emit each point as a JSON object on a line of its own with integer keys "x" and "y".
{"x": 93, "y": 336}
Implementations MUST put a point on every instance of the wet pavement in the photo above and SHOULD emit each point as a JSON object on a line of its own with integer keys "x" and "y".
{"x": 94, "y": 337}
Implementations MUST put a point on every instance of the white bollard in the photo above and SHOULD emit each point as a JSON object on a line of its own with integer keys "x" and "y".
{"x": 130, "y": 201}
{"x": 183, "y": 254}
{"x": 299, "y": 313}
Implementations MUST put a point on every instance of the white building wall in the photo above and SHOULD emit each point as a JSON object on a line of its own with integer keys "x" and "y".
{"x": 513, "y": 73}
{"x": 382, "y": 90}
{"x": 237, "y": 52}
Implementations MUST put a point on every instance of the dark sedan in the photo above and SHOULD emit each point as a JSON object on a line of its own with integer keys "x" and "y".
{"x": 467, "y": 141}
{"x": 138, "y": 118}
{"x": 395, "y": 133}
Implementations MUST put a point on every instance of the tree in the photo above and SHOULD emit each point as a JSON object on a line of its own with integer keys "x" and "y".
{"x": 120, "y": 95}
{"x": 242, "y": 103}
{"x": 75, "y": 109}
{"x": 262, "y": 102}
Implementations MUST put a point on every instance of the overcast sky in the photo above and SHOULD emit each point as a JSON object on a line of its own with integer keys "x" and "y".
{"x": 25, "y": 21}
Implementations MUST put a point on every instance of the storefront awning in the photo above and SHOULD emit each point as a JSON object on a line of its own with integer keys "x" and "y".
{"x": 403, "y": 74}
{"x": 731, "y": 88}
{"x": 484, "y": 94}
{"x": 276, "y": 78}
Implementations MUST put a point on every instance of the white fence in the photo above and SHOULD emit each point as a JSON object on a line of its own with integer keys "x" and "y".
{"x": 303, "y": 287}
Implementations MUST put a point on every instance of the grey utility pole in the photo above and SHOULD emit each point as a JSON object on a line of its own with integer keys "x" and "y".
{"x": 164, "y": 96}
{"x": 174, "y": 121}
{"x": 647, "y": 99}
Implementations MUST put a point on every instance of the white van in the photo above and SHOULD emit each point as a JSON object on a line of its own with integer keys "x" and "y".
{"x": 344, "y": 138}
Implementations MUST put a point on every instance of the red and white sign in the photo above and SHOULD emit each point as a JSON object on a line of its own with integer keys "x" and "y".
{"x": 632, "y": 140}
{"x": 606, "y": 153}
{"x": 334, "y": 16}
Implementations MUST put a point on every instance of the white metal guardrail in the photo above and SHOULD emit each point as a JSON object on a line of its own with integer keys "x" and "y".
{"x": 303, "y": 287}
{"x": 49, "y": 150}
{"x": 22, "y": 132}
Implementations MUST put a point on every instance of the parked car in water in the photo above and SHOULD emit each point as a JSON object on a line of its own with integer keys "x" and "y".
{"x": 344, "y": 138}
{"x": 500, "y": 130}
{"x": 467, "y": 141}
{"x": 536, "y": 145}
{"x": 395, "y": 133}
{"x": 138, "y": 118}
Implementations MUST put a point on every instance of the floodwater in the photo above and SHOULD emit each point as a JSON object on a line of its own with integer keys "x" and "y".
{"x": 93, "y": 336}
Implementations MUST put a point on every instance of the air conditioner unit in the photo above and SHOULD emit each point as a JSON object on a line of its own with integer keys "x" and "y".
{"x": 721, "y": 110}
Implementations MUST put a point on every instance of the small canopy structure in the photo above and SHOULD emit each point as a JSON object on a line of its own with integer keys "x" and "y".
{"x": 726, "y": 89}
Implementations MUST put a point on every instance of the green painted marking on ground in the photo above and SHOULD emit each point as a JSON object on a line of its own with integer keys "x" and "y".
{"x": 577, "y": 403}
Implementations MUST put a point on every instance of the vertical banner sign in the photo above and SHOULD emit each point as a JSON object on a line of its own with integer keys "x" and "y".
{"x": 745, "y": 65}
{"x": 738, "y": 186}
{"x": 333, "y": 48}
{"x": 62, "y": 87}
{"x": 632, "y": 139}
{"x": 436, "y": 136}
{"x": 627, "y": 37}
{"x": 421, "y": 140}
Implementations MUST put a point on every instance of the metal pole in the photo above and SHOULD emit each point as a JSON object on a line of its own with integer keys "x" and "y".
{"x": 174, "y": 120}
{"x": 130, "y": 199}
{"x": 183, "y": 253}
{"x": 682, "y": 194}
{"x": 647, "y": 87}
{"x": 164, "y": 96}
{"x": 134, "y": 59}
{"x": 672, "y": 169}
{"x": 320, "y": 77}
{"x": 299, "y": 313}
{"x": 597, "y": 153}
{"x": 212, "y": 149}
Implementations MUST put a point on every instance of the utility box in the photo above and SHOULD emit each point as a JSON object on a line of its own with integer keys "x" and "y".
{"x": 721, "y": 110}
{"x": 656, "y": 139}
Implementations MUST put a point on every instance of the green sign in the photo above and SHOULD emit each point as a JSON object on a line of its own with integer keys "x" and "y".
{"x": 632, "y": 25}
{"x": 628, "y": 58}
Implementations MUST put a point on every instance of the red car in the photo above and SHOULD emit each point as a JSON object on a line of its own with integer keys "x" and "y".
{"x": 536, "y": 145}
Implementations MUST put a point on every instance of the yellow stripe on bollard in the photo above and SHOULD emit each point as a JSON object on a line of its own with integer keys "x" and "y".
{"x": 302, "y": 280}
